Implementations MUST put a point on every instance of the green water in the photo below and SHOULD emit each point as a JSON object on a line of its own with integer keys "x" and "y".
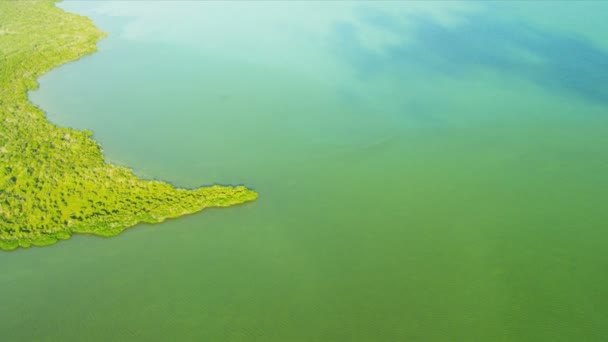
{"x": 428, "y": 171}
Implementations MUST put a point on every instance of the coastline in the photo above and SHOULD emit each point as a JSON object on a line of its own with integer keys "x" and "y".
{"x": 57, "y": 182}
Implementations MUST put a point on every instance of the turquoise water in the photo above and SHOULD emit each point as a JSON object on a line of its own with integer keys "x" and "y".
{"x": 428, "y": 171}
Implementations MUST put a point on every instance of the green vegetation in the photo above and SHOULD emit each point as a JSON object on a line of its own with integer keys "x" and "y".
{"x": 53, "y": 180}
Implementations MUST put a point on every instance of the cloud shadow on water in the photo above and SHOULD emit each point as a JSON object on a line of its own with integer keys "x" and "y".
{"x": 556, "y": 62}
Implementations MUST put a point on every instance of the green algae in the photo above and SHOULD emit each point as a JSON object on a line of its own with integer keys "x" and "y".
{"x": 53, "y": 180}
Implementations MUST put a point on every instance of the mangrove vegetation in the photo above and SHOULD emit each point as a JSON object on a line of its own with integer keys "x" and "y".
{"x": 53, "y": 180}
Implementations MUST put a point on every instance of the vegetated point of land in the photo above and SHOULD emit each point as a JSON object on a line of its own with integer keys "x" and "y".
{"x": 53, "y": 180}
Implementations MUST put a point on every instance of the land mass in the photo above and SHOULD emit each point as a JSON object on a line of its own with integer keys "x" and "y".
{"x": 53, "y": 180}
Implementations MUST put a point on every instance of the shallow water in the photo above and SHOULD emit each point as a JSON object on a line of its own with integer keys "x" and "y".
{"x": 428, "y": 171}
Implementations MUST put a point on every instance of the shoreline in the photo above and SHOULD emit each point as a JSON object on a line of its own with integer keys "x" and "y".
{"x": 58, "y": 182}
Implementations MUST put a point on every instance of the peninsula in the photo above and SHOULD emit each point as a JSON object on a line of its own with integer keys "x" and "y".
{"x": 53, "y": 180}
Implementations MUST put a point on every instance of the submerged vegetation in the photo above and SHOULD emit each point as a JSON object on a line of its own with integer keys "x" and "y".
{"x": 53, "y": 180}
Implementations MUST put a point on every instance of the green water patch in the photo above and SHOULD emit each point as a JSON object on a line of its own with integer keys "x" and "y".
{"x": 416, "y": 201}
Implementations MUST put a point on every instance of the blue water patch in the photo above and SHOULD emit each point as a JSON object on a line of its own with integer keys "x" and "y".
{"x": 558, "y": 62}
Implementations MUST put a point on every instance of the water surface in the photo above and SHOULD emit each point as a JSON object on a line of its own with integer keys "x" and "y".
{"x": 428, "y": 171}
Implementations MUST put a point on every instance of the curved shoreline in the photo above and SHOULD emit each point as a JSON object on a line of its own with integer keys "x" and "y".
{"x": 53, "y": 180}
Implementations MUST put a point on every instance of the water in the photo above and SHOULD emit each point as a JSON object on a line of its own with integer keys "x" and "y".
{"x": 428, "y": 171}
